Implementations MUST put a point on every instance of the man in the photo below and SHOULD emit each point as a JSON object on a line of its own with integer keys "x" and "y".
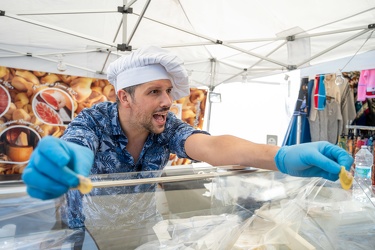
{"x": 138, "y": 133}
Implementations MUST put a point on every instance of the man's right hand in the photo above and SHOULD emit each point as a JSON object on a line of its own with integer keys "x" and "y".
{"x": 53, "y": 167}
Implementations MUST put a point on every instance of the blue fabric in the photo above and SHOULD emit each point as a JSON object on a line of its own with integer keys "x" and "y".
{"x": 314, "y": 159}
{"x": 291, "y": 133}
{"x": 98, "y": 128}
{"x": 321, "y": 94}
{"x": 310, "y": 87}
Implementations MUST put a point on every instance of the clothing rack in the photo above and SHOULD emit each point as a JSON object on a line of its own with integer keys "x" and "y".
{"x": 359, "y": 127}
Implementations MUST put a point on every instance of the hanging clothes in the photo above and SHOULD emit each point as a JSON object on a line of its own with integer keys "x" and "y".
{"x": 366, "y": 84}
{"x": 348, "y": 111}
{"x": 333, "y": 95}
{"x": 365, "y": 109}
{"x": 319, "y": 93}
{"x": 326, "y": 123}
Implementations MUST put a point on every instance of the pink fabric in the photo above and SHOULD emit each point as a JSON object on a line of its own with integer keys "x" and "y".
{"x": 316, "y": 92}
{"x": 366, "y": 80}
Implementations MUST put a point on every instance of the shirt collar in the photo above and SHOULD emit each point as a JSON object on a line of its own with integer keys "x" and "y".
{"x": 115, "y": 120}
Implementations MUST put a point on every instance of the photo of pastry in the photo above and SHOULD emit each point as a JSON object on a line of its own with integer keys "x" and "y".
{"x": 176, "y": 109}
{"x": 4, "y": 100}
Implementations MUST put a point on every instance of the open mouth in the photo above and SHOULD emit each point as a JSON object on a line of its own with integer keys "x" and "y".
{"x": 160, "y": 118}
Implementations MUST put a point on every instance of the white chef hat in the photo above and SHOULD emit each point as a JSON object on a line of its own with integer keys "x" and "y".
{"x": 148, "y": 64}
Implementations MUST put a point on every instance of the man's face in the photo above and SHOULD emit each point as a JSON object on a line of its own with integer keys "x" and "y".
{"x": 150, "y": 105}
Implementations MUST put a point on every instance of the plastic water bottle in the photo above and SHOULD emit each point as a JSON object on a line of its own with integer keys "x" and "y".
{"x": 363, "y": 163}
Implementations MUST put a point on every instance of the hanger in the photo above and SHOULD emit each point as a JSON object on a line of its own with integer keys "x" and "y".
{"x": 329, "y": 98}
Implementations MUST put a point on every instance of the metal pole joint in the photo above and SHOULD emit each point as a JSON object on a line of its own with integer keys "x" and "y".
{"x": 291, "y": 67}
{"x": 123, "y": 10}
{"x": 124, "y": 47}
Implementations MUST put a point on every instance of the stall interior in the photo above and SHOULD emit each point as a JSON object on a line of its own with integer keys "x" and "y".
{"x": 336, "y": 107}
{"x": 246, "y": 210}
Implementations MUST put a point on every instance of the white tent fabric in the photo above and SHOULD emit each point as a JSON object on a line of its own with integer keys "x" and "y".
{"x": 221, "y": 41}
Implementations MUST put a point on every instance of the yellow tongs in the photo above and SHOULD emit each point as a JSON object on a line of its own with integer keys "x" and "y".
{"x": 86, "y": 185}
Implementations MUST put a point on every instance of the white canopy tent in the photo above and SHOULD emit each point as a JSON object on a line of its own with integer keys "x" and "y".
{"x": 221, "y": 41}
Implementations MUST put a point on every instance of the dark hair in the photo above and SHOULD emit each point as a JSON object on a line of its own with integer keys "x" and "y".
{"x": 130, "y": 90}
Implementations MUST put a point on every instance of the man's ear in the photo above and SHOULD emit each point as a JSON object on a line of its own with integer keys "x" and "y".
{"x": 124, "y": 97}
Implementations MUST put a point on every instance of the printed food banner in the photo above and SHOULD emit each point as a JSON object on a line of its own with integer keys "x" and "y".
{"x": 35, "y": 104}
{"x": 191, "y": 110}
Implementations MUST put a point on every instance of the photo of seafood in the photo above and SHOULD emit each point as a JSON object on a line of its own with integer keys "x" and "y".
{"x": 53, "y": 106}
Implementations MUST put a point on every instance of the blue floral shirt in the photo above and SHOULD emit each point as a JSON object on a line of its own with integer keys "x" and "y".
{"x": 98, "y": 128}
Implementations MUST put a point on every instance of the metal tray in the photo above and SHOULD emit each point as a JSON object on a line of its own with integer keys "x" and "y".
{"x": 11, "y": 178}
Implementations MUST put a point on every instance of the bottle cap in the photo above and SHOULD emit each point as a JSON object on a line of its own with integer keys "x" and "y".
{"x": 364, "y": 146}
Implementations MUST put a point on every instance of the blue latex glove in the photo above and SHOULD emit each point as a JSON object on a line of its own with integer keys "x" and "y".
{"x": 316, "y": 159}
{"x": 53, "y": 167}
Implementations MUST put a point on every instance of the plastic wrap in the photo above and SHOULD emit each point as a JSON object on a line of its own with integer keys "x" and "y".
{"x": 57, "y": 239}
{"x": 27, "y": 223}
{"x": 262, "y": 210}
{"x": 128, "y": 217}
{"x": 200, "y": 232}
{"x": 307, "y": 214}
{"x": 116, "y": 217}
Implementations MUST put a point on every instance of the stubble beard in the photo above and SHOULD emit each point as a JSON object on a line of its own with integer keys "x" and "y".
{"x": 145, "y": 122}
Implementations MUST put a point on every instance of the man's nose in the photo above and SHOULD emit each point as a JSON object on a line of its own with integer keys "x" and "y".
{"x": 166, "y": 99}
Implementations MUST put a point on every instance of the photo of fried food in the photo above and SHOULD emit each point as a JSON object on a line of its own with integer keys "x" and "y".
{"x": 4, "y": 100}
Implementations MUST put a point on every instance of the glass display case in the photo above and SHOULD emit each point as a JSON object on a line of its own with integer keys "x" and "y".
{"x": 193, "y": 207}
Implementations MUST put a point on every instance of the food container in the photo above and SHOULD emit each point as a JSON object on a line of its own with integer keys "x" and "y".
{"x": 19, "y": 153}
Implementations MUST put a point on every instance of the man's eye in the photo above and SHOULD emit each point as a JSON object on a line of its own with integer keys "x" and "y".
{"x": 169, "y": 91}
{"x": 154, "y": 91}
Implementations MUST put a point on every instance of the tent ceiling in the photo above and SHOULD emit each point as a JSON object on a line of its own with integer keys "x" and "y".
{"x": 220, "y": 41}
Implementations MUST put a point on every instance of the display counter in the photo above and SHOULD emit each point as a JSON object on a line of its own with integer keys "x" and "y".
{"x": 230, "y": 209}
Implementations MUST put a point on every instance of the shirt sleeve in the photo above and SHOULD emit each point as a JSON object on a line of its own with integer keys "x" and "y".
{"x": 82, "y": 131}
{"x": 179, "y": 132}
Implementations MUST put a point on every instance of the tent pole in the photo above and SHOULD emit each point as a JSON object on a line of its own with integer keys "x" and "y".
{"x": 138, "y": 21}
{"x": 249, "y": 68}
{"x": 58, "y": 29}
{"x": 49, "y": 53}
{"x": 217, "y": 41}
{"x": 127, "y": 5}
{"x": 298, "y": 135}
{"x": 268, "y": 54}
{"x": 333, "y": 47}
{"x": 330, "y": 32}
{"x": 211, "y": 89}
{"x": 255, "y": 55}
{"x": 48, "y": 59}
{"x": 124, "y": 24}
{"x": 110, "y": 52}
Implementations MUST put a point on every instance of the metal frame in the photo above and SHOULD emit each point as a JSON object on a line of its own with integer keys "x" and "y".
{"x": 111, "y": 47}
